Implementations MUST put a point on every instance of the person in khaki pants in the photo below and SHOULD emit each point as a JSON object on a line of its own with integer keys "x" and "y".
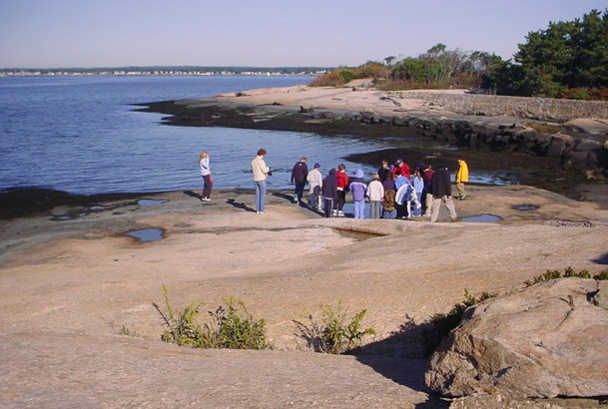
{"x": 462, "y": 177}
{"x": 442, "y": 193}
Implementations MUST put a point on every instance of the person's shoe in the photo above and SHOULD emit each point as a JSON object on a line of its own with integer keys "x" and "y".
{"x": 463, "y": 197}
{"x": 341, "y": 213}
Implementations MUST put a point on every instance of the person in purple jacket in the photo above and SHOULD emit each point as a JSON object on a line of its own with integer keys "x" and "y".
{"x": 358, "y": 187}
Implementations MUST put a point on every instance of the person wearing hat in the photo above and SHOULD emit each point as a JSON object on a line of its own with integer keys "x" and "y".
{"x": 298, "y": 176}
{"x": 315, "y": 183}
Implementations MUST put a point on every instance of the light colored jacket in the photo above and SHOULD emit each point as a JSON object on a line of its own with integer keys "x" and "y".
{"x": 375, "y": 191}
{"x": 205, "y": 168}
{"x": 259, "y": 169}
{"x": 314, "y": 178}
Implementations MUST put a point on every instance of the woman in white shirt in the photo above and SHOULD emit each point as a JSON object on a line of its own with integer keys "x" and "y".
{"x": 203, "y": 161}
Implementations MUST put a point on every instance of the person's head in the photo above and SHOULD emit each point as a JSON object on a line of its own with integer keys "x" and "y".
{"x": 398, "y": 173}
{"x": 389, "y": 175}
{"x": 317, "y": 165}
{"x": 332, "y": 171}
{"x": 203, "y": 155}
{"x": 376, "y": 176}
{"x": 341, "y": 166}
{"x": 359, "y": 173}
{"x": 417, "y": 172}
{"x": 398, "y": 162}
{"x": 385, "y": 163}
{"x": 303, "y": 159}
{"x": 261, "y": 152}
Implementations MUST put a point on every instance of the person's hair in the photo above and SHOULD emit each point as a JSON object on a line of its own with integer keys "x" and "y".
{"x": 398, "y": 172}
{"x": 341, "y": 166}
{"x": 303, "y": 159}
{"x": 203, "y": 155}
{"x": 261, "y": 152}
{"x": 376, "y": 176}
{"x": 385, "y": 161}
{"x": 389, "y": 175}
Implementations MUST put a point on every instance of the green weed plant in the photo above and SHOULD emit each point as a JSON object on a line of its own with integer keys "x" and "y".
{"x": 230, "y": 326}
{"x": 335, "y": 333}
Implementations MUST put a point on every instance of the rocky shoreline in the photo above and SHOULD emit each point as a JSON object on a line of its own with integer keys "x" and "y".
{"x": 563, "y": 157}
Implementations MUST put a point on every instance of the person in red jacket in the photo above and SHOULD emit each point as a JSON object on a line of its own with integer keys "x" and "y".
{"x": 403, "y": 167}
{"x": 342, "y": 185}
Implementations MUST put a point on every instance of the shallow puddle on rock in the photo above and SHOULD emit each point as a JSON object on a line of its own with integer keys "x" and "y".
{"x": 526, "y": 207}
{"x": 151, "y": 202}
{"x": 147, "y": 235}
{"x": 482, "y": 218}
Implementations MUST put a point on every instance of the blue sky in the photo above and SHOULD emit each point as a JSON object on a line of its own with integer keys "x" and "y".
{"x": 110, "y": 33}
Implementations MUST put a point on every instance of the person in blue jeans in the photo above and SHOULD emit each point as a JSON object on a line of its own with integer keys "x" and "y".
{"x": 260, "y": 172}
{"x": 358, "y": 188}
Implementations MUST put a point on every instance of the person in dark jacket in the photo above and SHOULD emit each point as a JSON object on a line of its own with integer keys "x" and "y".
{"x": 329, "y": 190}
{"x": 384, "y": 170}
{"x": 441, "y": 190}
{"x": 298, "y": 176}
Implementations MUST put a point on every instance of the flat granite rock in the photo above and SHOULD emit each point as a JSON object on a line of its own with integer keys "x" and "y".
{"x": 548, "y": 340}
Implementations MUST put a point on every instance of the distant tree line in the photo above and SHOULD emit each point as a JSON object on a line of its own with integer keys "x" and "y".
{"x": 567, "y": 60}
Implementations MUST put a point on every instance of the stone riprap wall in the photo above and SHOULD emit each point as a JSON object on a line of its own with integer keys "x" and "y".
{"x": 581, "y": 151}
{"x": 545, "y": 109}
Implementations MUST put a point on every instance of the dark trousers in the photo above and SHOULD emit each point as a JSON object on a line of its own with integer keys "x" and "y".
{"x": 207, "y": 186}
{"x": 300, "y": 190}
{"x": 340, "y": 199}
{"x": 328, "y": 206}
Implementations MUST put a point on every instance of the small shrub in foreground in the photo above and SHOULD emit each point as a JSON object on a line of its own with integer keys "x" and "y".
{"x": 227, "y": 327}
{"x": 336, "y": 333}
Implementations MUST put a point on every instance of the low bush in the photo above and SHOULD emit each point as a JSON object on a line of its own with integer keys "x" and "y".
{"x": 568, "y": 272}
{"x": 227, "y": 327}
{"x": 335, "y": 333}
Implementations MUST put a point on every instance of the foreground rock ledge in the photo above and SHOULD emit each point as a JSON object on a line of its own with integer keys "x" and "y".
{"x": 534, "y": 343}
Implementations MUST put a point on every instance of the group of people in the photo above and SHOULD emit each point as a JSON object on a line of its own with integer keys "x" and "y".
{"x": 394, "y": 191}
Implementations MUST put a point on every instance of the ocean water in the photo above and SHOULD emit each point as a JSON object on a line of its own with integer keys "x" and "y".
{"x": 81, "y": 135}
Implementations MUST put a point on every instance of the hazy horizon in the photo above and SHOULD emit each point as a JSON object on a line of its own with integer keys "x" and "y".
{"x": 262, "y": 33}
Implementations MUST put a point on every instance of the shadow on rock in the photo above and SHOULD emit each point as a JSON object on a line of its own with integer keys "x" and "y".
{"x": 240, "y": 205}
{"x": 603, "y": 260}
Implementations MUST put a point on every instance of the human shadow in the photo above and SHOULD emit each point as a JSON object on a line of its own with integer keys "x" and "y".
{"x": 603, "y": 260}
{"x": 240, "y": 205}
{"x": 285, "y": 196}
{"x": 192, "y": 194}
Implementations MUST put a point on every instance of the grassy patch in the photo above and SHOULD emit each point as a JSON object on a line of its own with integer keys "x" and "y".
{"x": 568, "y": 272}
{"x": 335, "y": 333}
{"x": 229, "y": 326}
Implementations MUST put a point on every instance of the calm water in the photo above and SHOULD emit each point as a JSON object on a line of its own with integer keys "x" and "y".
{"x": 79, "y": 134}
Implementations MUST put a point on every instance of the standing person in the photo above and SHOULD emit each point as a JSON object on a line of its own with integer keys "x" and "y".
{"x": 384, "y": 170}
{"x": 442, "y": 193}
{"x": 418, "y": 183}
{"x": 389, "y": 211}
{"x": 260, "y": 173}
{"x": 403, "y": 167}
{"x": 342, "y": 180}
{"x": 375, "y": 192}
{"x": 329, "y": 189}
{"x": 203, "y": 162}
{"x": 358, "y": 188}
{"x": 315, "y": 182}
{"x": 462, "y": 177}
{"x": 298, "y": 175}
{"x": 400, "y": 179}
{"x": 427, "y": 175}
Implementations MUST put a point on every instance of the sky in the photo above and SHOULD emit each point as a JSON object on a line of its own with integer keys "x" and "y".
{"x": 263, "y": 33}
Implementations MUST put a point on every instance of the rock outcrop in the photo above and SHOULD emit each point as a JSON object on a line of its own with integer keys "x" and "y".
{"x": 548, "y": 340}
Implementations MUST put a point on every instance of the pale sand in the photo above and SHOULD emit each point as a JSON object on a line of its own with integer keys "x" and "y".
{"x": 69, "y": 286}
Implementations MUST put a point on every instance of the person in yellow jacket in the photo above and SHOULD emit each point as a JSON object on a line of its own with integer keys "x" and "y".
{"x": 462, "y": 177}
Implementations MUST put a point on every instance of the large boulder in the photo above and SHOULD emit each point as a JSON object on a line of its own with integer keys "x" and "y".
{"x": 548, "y": 340}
